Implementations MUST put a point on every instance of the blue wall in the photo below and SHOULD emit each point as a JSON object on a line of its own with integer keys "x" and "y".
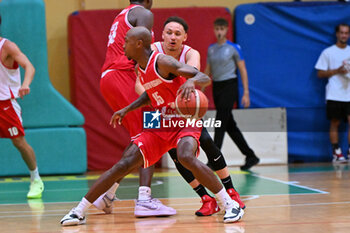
{"x": 281, "y": 48}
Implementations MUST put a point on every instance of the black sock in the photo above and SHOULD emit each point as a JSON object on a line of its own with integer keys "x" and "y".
{"x": 227, "y": 182}
{"x": 201, "y": 191}
{"x": 335, "y": 146}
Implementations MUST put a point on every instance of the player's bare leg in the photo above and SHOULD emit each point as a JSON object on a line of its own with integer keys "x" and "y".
{"x": 36, "y": 185}
{"x": 105, "y": 201}
{"x": 217, "y": 163}
{"x": 131, "y": 160}
{"x": 146, "y": 175}
{"x": 186, "y": 150}
{"x": 26, "y": 151}
{"x": 338, "y": 156}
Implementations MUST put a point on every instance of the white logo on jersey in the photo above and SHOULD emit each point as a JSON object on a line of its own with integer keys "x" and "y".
{"x": 152, "y": 84}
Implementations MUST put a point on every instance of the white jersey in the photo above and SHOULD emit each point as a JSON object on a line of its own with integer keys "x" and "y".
{"x": 184, "y": 51}
{"x": 10, "y": 79}
{"x": 338, "y": 86}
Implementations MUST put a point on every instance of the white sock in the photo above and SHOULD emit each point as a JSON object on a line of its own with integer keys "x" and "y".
{"x": 99, "y": 203}
{"x": 34, "y": 175}
{"x": 144, "y": 193}
{"x": 83, "y": 206}
{"x": 111, "y": 191}
{"x": 225, "y": 200}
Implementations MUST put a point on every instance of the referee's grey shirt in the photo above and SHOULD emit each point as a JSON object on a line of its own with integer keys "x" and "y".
{"x": 223, "y": 60}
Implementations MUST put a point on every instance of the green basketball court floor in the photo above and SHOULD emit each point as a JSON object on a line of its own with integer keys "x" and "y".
{"x": 265, "y": 180}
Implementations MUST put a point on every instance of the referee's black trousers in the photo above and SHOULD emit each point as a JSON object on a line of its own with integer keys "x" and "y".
{"x": 225, "y": 94}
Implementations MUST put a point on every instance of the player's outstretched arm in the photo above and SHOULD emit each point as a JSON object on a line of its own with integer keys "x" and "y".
{"x": 143, "y": 100}
{"x": 22, "y": 60}
{"x": 193, "y": 58}
{"x": 169, "y": 67}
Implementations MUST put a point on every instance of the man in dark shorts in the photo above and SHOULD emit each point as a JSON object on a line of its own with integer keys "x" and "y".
{"x": 334, "y": 64}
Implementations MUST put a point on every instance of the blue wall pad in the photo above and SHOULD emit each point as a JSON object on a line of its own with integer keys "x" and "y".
{"x": 281, "y": 43}
{"x": 58, "y": 151}
{"x": 47, "y": 116}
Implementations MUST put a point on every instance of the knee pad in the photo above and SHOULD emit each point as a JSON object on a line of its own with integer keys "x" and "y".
{"x": 218, "y": 162}
{"x": 173, "y": 155}
{"x": 214, "y": 155}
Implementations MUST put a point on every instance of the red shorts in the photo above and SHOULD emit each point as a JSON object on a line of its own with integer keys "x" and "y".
{"x": 118, "y": 89}
{"x": 10, "y": 119}
{"x": 154, "y": 143}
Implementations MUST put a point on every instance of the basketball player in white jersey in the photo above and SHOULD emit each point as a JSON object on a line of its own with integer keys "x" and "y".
{"x": 174, "y": 35}
{"x": 11, "y": 126}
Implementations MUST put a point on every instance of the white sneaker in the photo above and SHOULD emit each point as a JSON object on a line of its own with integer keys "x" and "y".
{"x": 105, "y": 203}
{"x": 338, "y": 156}
{"x": 152, "y": 207}
{"x": 233, "y": 214}
{"x": 73, "y": 218}
{"x": 339, "y": 159}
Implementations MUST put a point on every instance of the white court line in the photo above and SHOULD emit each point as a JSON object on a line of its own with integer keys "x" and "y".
{"x": 248, "y": 197}
{"x": 291, "y": 183}
{"x": 301, "y": 205}
{"x": 158, "y": 182}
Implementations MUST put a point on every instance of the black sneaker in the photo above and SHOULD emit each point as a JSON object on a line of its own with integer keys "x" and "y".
{"x": 250, "y": 162}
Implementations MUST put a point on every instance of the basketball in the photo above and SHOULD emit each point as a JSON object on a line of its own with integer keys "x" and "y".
{"x": 195, "y": 108}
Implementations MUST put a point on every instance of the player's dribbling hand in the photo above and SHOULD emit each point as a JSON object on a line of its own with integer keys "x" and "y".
{"x": 24, "y": 90}
{"x": 118, "y": 116}
{"x": 186, "y": 89}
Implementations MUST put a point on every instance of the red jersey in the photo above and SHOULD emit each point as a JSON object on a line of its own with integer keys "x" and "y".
{"x": 115, "y": 56}
{"x": 162, "y": 92}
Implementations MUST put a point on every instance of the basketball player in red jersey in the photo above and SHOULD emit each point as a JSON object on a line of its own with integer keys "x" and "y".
{"x": 160, "y": 75}
{"x": 117, "y": 87}
{"x": 174, "y": 34}
{"x": 11, "y": 57}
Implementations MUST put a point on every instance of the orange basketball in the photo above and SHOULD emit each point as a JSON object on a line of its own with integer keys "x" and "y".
{"x": 194, "y": 108}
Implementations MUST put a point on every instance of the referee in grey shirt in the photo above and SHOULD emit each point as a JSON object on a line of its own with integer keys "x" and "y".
{"x": 222, "y": 61}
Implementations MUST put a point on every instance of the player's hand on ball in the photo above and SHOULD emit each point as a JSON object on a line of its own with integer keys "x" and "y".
{"x": 118, "y": 116}
{"x": 186, "y": 89}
